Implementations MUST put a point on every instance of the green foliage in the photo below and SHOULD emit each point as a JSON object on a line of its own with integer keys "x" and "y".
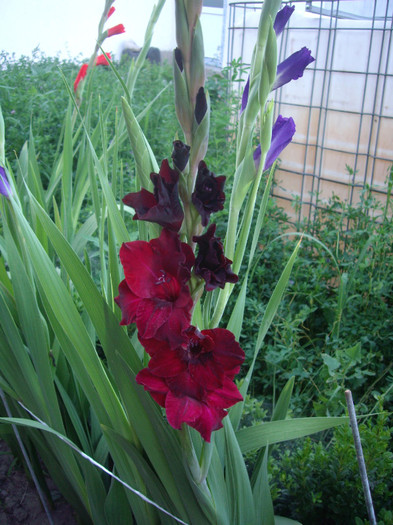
{"x": 44, "y": 98}
{"x": 319, "y": 482}
{"x": 333, "y": 329}
{"x": 332, "y": 332}
{"x": 32, "y": 94}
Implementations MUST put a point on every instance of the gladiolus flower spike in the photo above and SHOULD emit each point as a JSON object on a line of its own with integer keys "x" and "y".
{"x": 190, "y": 372}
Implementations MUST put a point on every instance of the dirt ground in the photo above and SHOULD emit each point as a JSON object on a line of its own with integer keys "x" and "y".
{"x": 19, "y": 501}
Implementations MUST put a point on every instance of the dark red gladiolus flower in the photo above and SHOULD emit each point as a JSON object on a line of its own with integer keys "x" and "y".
{"x": 180, "y": 154}
{"x": 162, "y": 207}
{"x": 208, "y": 195}
{"x": 80, "y": 76}
{"x": 211, "y": 263}
{"x": 154, "y": 293}
{"x": 116, "y": 30}
{"x": 194, "y": 382}
{"x": 102, "y": 61}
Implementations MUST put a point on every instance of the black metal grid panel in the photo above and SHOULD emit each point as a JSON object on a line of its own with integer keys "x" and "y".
{"x": 343, "y": 105}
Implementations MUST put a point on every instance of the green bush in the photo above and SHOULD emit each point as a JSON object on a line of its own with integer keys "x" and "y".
{"x": 333, "y": 329}
{"x": 319, "y": 482}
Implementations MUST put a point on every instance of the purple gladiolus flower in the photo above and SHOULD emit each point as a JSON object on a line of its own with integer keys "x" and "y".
{"x": 292, "y": 67}
{"x": 282, "y": 18}
{"x": 282, "y": 133}
{"x": 5, "y": 188}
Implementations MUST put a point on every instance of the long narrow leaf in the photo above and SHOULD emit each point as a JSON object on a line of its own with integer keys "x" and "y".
{"x": 253, "y": 438}
{"x": 39, "y": 425}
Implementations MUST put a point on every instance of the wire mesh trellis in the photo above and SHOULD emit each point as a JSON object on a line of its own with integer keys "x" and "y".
{"x": 343, "y": 104}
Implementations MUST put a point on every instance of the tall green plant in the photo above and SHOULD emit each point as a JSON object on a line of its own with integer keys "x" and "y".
{"x": 71, "y": 371}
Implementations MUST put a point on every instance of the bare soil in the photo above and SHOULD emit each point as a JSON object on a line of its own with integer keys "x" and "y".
{"x": 19, "y": 500}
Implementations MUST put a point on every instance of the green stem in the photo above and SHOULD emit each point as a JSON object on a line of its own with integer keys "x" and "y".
{"x": 206, "y": 456}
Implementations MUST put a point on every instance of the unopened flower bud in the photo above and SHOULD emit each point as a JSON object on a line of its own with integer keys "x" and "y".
{"x": 116, "y": 30}
{"x": 180, "y": 154}
{"x": 200, "y": 105}
{"x": 179, "y": 59}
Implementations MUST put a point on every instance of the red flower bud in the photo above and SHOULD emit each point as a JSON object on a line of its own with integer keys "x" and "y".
{"x": 102, "y": 61}
{"x": 110, "y": 12}
{"x": 80, "y": 76}
{"x": 116, "y": 30}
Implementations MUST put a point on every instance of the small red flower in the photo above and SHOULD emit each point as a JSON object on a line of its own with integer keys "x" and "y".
{"x": 162, "y": 207}
{"x": 102, "y": 61}
{"x": 208, "y": 195}
{"x": 154, "y": 293}
{"x": 211, "y": 263}
{"x": 110, "y": 12}
{"x": 116, "y": 30}
{"x": 194, "y": 381}
{"x": 80, "y": 76}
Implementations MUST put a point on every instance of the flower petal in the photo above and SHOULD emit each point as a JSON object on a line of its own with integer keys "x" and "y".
{"x": 127, "y": 302}
{"x": 208, "y": 196}
{"x": 211, "y": 263}
{"x": 164, "y": 206}
{"x": 180, "y": 154}
{"x": 245, "y": 95}
{"x": 282, "y": 18}
{"x": 282, "y": 134}
{"x": 293, "y": 67}
{"x": 5, "y": 188}
{"x": 153, "y": 384}
{"x": 166, "y": 364}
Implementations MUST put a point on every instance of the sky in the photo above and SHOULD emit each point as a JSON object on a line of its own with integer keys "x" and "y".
{"x": 68, "y": 28}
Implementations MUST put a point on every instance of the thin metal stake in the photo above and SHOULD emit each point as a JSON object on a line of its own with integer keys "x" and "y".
{"x": 360, "y": 457}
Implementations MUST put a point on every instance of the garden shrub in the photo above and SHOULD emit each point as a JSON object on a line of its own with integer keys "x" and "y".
{"x": 328, "y": 341}
{"x": 319, "y": 482}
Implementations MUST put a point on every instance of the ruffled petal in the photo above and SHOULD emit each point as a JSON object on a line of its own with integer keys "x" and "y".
{"x": 166, "y": 364}
{"x": 127, "y": 302}
{"x": 293, "y": 67}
